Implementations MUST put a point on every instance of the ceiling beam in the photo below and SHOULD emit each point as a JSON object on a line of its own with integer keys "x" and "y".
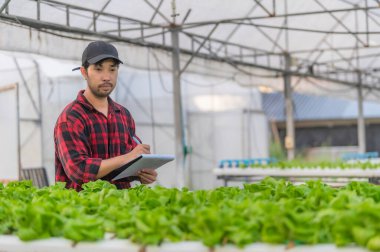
{"x": 49, "y": 27}
{"x": 231, "y": 20}
{"x": 4, "y": 6}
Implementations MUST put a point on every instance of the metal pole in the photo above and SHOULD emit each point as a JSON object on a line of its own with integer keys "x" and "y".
{"x": 38, "y": 10}
{"x": 361, "y": 121}
{"x": 67, "y": 15}
{"x": 290, "y": 131}
{"x": 40, "y": 111}
{"x": 18, "y": 130}
{"x": 178, "y": 113}
{"x": 4, "y": 6}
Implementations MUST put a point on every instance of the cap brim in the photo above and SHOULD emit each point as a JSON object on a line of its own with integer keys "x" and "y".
{"x": 74, "y": 69}
{"x": 102, "y": 57}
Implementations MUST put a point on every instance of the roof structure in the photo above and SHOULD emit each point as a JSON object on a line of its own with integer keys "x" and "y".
{"x": 335, "y": 41}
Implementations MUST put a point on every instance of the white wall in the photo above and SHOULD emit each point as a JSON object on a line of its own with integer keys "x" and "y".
{"x": 8, "y": 136}
{"x": 223, "y": 135}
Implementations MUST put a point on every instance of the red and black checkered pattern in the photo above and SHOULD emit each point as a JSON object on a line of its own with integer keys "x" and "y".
{"x": 83, "y": 137}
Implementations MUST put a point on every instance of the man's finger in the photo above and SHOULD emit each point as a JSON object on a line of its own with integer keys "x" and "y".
{"x": 147, "y": 177}
{"x": 149, "y": 171}
{"x": 145, "y": 148}
{"x": 146, "y": 181}
{"x": 143, "y": 181}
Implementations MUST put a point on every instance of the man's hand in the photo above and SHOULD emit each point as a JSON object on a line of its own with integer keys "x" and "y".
{"x": 140, "y": 149}
{"x": 147, "y": 176}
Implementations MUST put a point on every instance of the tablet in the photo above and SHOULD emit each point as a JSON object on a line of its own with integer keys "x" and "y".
{"x": 144, "y": 161}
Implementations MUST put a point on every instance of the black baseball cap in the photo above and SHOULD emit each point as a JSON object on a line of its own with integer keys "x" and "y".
{"x": 97, "y": 51}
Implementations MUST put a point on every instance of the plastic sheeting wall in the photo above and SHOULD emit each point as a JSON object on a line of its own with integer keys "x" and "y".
{"x": 8, "y": 135}
{"x": 224, "y": 135}
{"x": 22, "y": 71}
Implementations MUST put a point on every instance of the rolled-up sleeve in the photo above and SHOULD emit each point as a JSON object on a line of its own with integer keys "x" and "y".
{"x": 74, "y": 152}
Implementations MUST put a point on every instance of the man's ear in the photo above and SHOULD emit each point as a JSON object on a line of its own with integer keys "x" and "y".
{"x": 83, "y": 72}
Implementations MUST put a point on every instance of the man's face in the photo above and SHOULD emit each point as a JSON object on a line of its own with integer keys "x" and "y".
{"x": 101, "y": 77}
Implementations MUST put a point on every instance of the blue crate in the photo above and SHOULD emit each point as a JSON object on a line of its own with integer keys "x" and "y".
{"x": 360, "y": 156}
{"x": 233, "y": 163}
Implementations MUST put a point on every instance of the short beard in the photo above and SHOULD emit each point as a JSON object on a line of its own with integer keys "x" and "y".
{"x": 98, "y": 93}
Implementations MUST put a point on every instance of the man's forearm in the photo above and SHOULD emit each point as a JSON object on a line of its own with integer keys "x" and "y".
{"x": 111, "y": 164}
{"x": 108, "y": 165}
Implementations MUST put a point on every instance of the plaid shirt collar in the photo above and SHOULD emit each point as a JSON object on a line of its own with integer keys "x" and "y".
{"x": 85, "y": 103}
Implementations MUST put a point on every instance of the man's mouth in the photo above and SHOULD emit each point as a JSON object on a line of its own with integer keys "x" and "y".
{"x": 105, "y": 86}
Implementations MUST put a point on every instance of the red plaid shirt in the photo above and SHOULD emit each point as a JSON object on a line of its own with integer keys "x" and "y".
{"x": 83, "y": 137}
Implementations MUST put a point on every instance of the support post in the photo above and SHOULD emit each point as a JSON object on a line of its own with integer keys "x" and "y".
{"x": 40, "y": 115}
{"x": 361, "y": 120}
{"x": 290, "y": 131}
{"x": 18, "y": 131}
{"x": 178, "y": 113}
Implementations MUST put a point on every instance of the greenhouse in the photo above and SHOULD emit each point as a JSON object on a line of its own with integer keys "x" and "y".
{"x": 246, "y": 125}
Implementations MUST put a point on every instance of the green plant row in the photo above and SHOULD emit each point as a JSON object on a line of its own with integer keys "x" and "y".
{"x": 314, "y": 165}
{"x": 271, "y": 211}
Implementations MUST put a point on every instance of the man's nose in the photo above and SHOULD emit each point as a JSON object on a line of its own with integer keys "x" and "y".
{"x": 106, "y": 76}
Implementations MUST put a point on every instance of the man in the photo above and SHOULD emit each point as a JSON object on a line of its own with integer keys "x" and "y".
{"x": 94, "y": 136}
